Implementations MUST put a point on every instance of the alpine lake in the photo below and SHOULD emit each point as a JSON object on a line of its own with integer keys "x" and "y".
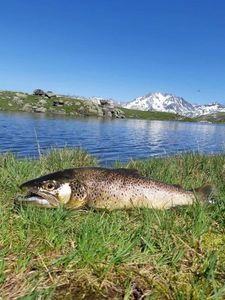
{"x": 108, "y": 140}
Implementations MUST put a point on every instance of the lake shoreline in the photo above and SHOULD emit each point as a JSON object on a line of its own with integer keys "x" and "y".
{"x": 75, "y": 107}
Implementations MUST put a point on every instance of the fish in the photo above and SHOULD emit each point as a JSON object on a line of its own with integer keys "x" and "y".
{"x": 104, "y": 188}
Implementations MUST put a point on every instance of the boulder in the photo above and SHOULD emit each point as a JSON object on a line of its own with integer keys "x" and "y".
{"x": 27, "y": 108}
{"x": 103, "y": 102}
{"x": 42, "y": 102}
{"x": 100, "y": 113}
{"x": 118, "y": 114}
{"x": 40, "y": 110}
{"x": 107, "y": 113}
{"x": 58, "y": 103}
{"x": 107, "y": 103}
{"x": 50, "y": 94}
{"x": 38, "y": 92}
{"x": 92, "y": 110}
{"x": 17, "y": 100}
{"x": 68, "y": 103}
{"x": 81, "y": 109}
{"x": 21, "y": 95}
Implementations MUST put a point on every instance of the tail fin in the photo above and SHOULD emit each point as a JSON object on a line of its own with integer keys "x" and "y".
{"x": 206, "y": 193}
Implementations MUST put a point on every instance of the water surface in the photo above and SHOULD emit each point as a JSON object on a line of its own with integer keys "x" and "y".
{"x": 108, "y": 140}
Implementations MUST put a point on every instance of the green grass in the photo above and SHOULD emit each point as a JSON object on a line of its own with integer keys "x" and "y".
{"x": 153, "y": 115}
{"x": 62, "y": 254}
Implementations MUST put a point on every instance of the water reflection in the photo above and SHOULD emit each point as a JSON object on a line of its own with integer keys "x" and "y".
{"x": 108, "y": 140}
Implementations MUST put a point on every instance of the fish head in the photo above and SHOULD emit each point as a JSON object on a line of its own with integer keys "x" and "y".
{"x": 56, "y": 189}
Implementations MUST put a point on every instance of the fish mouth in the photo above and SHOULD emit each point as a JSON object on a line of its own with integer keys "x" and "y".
{"x": 39, "y": 199}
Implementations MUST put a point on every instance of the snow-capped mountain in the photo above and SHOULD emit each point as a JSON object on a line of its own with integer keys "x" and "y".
{"x": 207, "y": 109}
{"x": 161, "y": 102}
{"x": 171, "y": 103}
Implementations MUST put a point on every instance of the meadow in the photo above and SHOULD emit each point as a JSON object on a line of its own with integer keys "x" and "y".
{"x": 136, "y": 254}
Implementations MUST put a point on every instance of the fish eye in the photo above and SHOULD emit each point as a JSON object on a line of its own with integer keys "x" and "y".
{"x": 50, "y": 186}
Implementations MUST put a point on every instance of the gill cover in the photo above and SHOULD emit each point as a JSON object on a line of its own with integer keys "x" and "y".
{"x": 78, "y": 195}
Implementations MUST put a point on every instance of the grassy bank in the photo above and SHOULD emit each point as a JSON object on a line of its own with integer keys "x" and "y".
{"x": 59, "y": 254}
{"x": 154, "y": 115}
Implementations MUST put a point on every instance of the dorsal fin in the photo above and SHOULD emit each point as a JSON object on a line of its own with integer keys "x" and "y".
{"x": 125, "y": 171}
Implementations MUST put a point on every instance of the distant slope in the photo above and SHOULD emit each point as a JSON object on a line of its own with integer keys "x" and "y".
{"x": 153, "y": 115}
{"x": 212, "y": 118}
{"x": 207, "y": 109}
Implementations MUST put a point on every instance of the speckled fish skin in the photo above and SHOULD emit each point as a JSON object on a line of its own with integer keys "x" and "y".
{"x": 109, "y": 189}
{"x": 124, "y": 189}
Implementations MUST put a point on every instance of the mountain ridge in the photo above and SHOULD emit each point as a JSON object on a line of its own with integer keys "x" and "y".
{"x": 167, "y": 102}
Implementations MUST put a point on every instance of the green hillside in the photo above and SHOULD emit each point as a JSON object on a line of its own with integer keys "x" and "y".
{"x": 153, "y": 115}
{"x": 58, "y": 105}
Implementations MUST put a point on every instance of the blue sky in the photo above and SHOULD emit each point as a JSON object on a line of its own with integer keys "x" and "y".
{"x": 114, "y": 48}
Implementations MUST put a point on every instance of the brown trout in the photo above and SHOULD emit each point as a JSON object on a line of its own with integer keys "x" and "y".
{"x": 102, "y": 188}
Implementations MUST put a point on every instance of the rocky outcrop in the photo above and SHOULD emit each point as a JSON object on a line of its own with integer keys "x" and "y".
{"x": 48, "y": 94}
{"x": 40, "y": 110}
{"x": 110, "y": 110}
{"x": 118, "y": 113}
